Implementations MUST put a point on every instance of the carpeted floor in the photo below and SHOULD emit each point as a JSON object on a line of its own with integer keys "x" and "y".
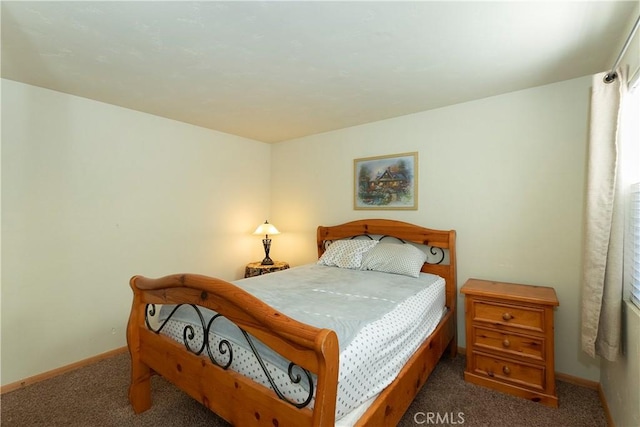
{"x": 96, "y": 395}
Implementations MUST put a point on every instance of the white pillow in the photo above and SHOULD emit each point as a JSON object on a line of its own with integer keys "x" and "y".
{"x": 346, "y": 253}
{"x": 396, "y": 258}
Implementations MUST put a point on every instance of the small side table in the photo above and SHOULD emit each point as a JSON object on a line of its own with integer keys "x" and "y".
{"x": 510, "y": 335}
{"x": 257, "y": 269}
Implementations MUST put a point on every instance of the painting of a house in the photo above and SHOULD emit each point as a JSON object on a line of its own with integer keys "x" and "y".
{"x": 386, "y": 182}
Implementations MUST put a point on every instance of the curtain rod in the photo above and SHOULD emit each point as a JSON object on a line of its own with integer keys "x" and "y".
{"x": 612, "y": 75}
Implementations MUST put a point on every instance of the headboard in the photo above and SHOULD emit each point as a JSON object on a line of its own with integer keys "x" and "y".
{"x": 437, "y": 240}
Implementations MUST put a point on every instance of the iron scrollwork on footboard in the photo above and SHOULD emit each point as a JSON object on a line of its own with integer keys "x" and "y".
{"x": 295, "y": 372}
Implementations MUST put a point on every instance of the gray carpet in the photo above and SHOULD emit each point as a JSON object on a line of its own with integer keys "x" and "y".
{"x": 96, "y": 395}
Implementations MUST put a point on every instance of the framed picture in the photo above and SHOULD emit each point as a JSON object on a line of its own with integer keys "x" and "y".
{"x": 386, "y": 182}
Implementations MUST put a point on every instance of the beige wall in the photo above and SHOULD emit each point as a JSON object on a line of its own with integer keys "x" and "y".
{"x": 506, "y": 172}
{"x": 93, "y": 194}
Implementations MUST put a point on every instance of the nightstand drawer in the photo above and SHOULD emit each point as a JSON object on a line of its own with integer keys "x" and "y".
{"x": 506, "y": 370}
{"x": 529, "y": 318}
{"x": 509, "y": 343}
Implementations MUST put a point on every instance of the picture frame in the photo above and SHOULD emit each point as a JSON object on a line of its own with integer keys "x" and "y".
{"x": 386, "y": 182}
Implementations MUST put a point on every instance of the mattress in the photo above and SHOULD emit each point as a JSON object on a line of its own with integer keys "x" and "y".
{"x": 380, "y": 319}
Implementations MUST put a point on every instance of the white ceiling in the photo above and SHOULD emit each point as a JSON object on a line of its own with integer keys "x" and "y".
{"x": 273, "y": 71}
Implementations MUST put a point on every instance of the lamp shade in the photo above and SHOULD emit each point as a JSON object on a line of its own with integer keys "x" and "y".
{"x": 266, "y": 229}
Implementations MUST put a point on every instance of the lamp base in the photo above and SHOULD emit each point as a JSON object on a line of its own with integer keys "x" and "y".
{"x": 267, "y": 245}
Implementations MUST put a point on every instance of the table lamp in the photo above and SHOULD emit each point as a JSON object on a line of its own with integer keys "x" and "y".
{"x": 266, "y": 229}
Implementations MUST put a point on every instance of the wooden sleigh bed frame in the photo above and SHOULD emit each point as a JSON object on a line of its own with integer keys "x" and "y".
{"x": 241, "y": 401}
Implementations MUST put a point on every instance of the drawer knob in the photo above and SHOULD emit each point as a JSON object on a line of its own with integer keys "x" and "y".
{"x": 506, "y": 370}
{"x": 506, "y": 343}
{"x": 507, "y": 316}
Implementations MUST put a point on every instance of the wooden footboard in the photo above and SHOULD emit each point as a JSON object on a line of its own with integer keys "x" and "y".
{"x": 225, "y": 392}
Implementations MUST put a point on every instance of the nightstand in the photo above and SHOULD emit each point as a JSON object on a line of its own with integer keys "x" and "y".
{"x": 257, "y": 269}
{"x": 510, "y": 344}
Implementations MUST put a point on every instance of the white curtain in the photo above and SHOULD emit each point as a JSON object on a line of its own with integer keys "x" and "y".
{"x": 602, "y": 274}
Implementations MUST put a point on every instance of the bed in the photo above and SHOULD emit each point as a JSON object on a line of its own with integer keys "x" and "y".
{"x": 314, "y": 354}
